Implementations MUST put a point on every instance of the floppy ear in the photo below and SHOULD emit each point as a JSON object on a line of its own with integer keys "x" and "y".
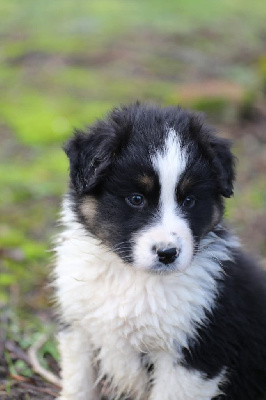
{"x": 224, "y": 164}
{"x": 90, "y": 154}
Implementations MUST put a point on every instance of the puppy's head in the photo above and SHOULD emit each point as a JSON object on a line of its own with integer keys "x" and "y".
{"x": 149, "y": 183}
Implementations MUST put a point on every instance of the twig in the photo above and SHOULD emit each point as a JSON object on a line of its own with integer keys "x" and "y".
{"x": 32, "y": 352}
{"x": 19, "y": 378}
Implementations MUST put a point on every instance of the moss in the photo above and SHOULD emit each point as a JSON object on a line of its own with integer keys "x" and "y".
{"x": 37, "y": 119}
{"x": 262, "y": 74}
{"x": 246, "y": 108}
{"x": 217, "y": 108}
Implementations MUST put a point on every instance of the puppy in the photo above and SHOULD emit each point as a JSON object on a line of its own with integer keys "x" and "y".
{"x": 157, "y": 299}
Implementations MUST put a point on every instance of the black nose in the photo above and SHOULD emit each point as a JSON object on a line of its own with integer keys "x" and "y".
{"x": 167, "y": 256}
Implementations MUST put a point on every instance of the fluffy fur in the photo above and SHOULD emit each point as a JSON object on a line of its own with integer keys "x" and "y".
{"x": 157, "y": 300}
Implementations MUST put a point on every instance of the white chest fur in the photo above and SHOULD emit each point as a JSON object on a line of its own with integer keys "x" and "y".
{"x": 98, "y": 291}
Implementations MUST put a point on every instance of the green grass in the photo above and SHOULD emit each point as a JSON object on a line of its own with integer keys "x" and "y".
{"x": 64, "y": 64}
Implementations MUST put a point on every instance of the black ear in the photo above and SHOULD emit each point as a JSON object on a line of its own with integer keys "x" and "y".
{"x": 89, "y": 157}
{"x": 224, "y": 164}
{"x": 91, "y": 153}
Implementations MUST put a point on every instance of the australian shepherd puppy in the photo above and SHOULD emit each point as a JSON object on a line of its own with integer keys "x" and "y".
{"x": 157, "y": 300}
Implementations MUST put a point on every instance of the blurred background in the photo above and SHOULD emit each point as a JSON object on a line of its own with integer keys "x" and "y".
{"x": 65, "y": 63}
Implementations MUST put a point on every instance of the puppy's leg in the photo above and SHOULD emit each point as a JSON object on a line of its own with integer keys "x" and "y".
{"x": 78, "y": 374}
{"x": 122, "y": 363}
{"x": 174, "y": 382}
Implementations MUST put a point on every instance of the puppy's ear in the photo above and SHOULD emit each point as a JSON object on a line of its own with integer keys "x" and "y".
{"x": 90, "y": 155}
{"x": 224, "y": 164}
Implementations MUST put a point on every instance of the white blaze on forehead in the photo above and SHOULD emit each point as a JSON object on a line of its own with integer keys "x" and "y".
{"x": 170, "y": 163}
{"x": 170, "y": 230}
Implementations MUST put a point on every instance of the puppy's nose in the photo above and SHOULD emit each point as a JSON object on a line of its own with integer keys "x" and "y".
{"x": 167, "y": 256}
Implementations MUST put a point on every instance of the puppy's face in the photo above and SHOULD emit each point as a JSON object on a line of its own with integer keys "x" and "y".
{"x": 148, "y": 182}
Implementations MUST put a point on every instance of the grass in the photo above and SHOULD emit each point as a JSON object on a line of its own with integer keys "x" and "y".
{"x": 65, "y": 64}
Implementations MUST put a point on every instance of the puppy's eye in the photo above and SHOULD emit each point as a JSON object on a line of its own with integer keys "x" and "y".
{"x": 189, "y": 202}
{"x": 136, "y": 200}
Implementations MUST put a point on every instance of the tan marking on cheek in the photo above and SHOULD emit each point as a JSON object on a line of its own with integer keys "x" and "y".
{"x": 147, "y": 181}
{"x": 88, "y": 208}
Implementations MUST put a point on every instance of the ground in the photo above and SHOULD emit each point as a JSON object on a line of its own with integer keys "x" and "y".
{"x": 63, "y": 64}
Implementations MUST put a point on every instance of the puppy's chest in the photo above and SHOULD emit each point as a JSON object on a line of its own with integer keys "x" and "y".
{"x": 147, "y": 312}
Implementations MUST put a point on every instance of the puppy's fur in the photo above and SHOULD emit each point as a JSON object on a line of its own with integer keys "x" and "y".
{"x": 157, "y": 299}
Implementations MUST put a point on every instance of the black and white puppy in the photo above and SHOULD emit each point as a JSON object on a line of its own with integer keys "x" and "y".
{"x": 158, "y": 299}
